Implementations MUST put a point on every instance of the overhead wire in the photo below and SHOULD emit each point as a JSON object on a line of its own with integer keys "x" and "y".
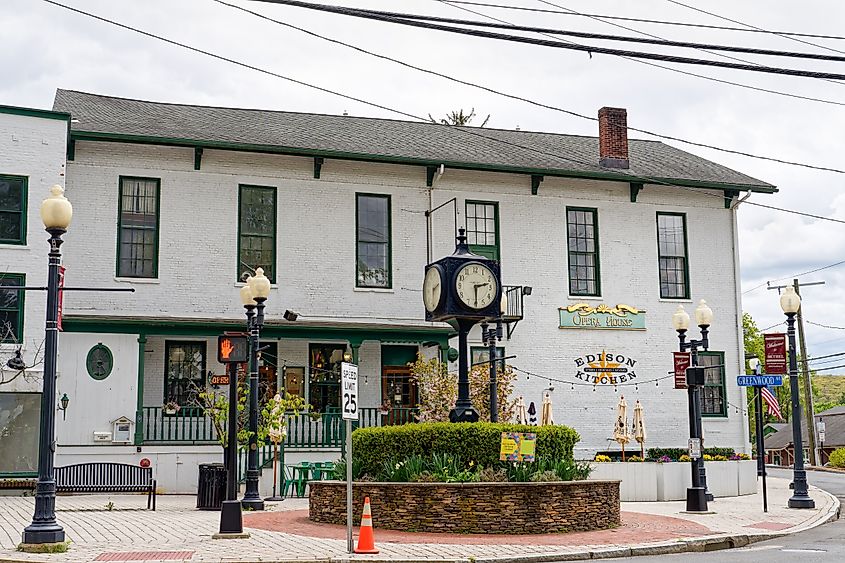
{"x": 459, "y": 130}
{"x": 518, "y": 97}
{"x": 402, "y": 19}
{"x": 768, "y": 282}
{"x": 644, "y": 20}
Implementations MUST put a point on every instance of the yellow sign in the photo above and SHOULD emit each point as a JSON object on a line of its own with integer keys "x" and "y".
{"x": 584, "y": 315}
{"x": 518, "y": 446}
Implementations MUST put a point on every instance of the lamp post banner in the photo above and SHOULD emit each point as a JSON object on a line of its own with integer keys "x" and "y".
{"x": 682, "y": 362}
{"x": 775, "y": 355}
{"x": 61, "y": 296}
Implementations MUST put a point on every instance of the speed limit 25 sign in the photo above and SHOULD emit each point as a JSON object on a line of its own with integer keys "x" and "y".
{"x": 349, "y": 390}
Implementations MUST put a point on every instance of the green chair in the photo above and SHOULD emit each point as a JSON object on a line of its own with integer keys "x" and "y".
{"x": 287, "y": 481}
{"x": 301, "y": 474}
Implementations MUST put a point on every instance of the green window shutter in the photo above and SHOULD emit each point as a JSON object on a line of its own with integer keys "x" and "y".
{"x": 482, "y": 222}
{"x": 373, "y": 267}
{"x": 13, "y": 199}
{"x": 713, "y": 399}
{"x": 257, "y": 230}
{"x": 673, "y": 264}
{"x": 583, "y": 246}
{"x": 11, "y": 308}
{"x": 138, "y": 227}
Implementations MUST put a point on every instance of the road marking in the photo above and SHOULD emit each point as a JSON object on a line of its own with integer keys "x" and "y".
{"x": 804, "y": 550}
{"x": 761, "y": 548}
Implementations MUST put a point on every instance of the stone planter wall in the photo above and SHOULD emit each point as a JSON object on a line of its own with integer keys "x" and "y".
{"x": 647, "y": 481}
{"x": 480, "y": 508}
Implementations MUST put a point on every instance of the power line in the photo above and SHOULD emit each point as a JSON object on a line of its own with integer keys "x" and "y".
{"x": 827, "y": 326}
{"x": 764, "y": 284}
{"x": 405, "y": 19}
{"x": 459, "y": 130}
{"x": 522, "y": 98}
{"x": 785, "y": 36}
{"x": 643, "y": 20}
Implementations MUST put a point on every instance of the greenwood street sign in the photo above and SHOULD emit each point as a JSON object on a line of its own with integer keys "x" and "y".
{"x": 758, "y": 380}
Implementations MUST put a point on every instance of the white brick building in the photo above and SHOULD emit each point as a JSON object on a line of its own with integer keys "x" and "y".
{"x": 176, "y": 201}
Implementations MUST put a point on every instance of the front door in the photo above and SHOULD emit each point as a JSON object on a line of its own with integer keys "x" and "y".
{"x": 399, "y": 394}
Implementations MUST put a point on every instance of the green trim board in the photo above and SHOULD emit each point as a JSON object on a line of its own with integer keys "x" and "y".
{"x": 33, "y": 112}
{"x": 19, "y": 310}
{"x": 344, "y": 155}
{"x": 257, "y": 233}
{"x": 120, "y": 225}
{"x": 373, "y": 238}
{"x": 215, "y": 327}
{"x": 585, "y": 237}
{"x": 491, "y": 251}
{"x": 139, "y": 400}
{"x": 717, "y": 360}
{"x": 685, "y": 258}
{"x": 22, "y": 206}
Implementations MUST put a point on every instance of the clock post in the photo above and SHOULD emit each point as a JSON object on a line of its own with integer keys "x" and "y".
{"x": 462, "y": 288}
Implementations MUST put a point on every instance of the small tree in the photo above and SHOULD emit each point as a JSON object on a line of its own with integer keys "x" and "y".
{"x": 459, "y": 118}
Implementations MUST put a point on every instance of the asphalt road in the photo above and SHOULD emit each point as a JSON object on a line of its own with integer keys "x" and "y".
{"x": 824, "y": 543}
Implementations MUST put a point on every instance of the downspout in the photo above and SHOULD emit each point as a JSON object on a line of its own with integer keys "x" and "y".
{"x": 738, "y": 305}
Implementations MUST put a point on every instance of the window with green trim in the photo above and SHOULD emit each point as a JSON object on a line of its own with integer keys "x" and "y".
{"x": 713, "y": 400}
{"x": 257, "y": 230}
{"x": 13, "y": 209}
{"x": 483, "y": 228}
{"x": 11, "y": 308}
{"x": 672, "y": 255}
{"x": 373, "y": 260}
{"x": 583, "y": 245}
{"x": 138, "y": 226}
{"x": 184, "y": 372}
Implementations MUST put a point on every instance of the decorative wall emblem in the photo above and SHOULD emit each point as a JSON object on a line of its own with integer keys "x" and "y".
{"x": 605, "y": 368}
{"x": 99, "y": 361}
{"x": 584, "y": 315}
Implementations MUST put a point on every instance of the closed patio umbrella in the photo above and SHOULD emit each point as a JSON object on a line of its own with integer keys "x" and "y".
{"x": 639, "y": 427}
{"x": 546, "y": 410}
{"x": 521, "y": 415}
{"x": 620, "y": 431}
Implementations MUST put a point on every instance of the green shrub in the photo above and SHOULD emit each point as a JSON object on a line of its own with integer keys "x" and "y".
{"x": 477, "y": 443}
{"x": 676, "y": 453}
{"x": 837, "y": 458}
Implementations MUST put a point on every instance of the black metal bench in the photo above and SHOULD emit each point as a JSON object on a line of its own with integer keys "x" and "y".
{"x": 103, "y": 477}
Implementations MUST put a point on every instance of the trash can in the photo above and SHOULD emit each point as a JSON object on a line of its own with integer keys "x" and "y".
{"x": 211, "y": 486}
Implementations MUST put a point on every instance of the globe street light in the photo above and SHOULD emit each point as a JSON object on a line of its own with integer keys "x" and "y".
{"x": 697, "y": 494}
{"x": 253, "y": 295}
{"x": 56, "y": 214}
{"x": 790, "y": 302}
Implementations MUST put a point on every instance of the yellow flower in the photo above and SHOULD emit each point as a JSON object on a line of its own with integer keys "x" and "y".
{"x": 471, "y": 463}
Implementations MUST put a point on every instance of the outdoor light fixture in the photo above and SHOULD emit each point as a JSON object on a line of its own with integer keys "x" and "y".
{"x": 347, "y": 357}
{"x": 65, "y": 401}
{"x": 16, "y": 362}
{"x": 790, "y": 302}
{"x": 697, "y": 495}
{"x": 526, "y": 290}
{"x": 290, "y": 315}
{"x": 56, "y": 214}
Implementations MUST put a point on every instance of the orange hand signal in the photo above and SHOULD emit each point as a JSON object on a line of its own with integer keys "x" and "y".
{"x": 226, "y": 348}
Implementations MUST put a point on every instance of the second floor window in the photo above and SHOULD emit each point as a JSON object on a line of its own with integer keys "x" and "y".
{"x": 12, "y": 209}
{"x": 137, "y": 246}
{"x": 257, "y": 230}
{"x": 672, "y": 255}
{"x": 483, "y": 228}
{"x": 373, "y": 241}
{"x": 583, "y": 243}
{"x": 11, "y": 308}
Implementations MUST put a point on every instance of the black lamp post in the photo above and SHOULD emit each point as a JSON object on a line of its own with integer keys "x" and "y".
{"x": 790, "y": 302}
{"x": 56, "y": 213}
{"x": 253, "y": 301}
{"x": 697, "y": 495}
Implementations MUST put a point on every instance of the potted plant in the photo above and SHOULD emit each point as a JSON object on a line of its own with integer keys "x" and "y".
{"x": 385, "y": 407}
{"x": 171, "y": 407}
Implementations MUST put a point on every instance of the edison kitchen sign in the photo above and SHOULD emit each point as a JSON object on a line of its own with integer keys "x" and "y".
{"x": 584, "y": 315}
{"x": 605, "y": 368}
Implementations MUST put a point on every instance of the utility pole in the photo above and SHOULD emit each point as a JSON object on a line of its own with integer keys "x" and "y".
{"x": 809, "y": 410}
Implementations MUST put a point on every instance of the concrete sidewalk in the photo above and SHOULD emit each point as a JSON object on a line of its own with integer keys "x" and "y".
{"x": 178, "y": 532}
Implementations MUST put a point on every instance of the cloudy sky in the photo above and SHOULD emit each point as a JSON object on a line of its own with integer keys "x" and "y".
{"x": 46, "y": 47}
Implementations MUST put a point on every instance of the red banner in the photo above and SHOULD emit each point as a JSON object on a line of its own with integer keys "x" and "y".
{"x": 682, "y": 362}
{"x": 775, "y": 348}
{"x": 61, "y": 295}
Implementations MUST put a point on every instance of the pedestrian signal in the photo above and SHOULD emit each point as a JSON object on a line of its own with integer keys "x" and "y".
{"x": 232, "y": 349}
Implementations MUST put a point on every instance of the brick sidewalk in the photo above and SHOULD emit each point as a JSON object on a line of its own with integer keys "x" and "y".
{"x": 179, "y": 532}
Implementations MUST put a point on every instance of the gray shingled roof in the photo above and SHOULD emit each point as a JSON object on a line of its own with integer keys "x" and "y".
{"x": 834, "y": 433}
{"x": 383, "y": 139}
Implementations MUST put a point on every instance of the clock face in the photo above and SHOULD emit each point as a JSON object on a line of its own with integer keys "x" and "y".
{"x": 432, "y": 288}
{"x": 476, "y": 286}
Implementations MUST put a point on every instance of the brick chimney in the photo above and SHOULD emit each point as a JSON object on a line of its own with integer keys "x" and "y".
{"x": 613, "y": 137}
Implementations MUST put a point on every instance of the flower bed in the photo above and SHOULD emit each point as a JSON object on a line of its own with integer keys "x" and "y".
{"x": 479, "y": 508}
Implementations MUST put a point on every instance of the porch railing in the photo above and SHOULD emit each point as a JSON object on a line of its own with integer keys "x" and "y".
{"x": 191, "y": 425}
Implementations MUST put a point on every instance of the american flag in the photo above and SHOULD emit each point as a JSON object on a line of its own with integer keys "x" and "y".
{"x": 772, "y": 405}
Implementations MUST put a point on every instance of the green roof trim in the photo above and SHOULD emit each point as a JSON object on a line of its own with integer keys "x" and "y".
{"x": 33, "y": 112}
{"x": 388, "y": 159}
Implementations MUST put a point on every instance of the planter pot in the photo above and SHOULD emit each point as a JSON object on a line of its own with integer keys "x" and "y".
{"x": 476, "y": 508}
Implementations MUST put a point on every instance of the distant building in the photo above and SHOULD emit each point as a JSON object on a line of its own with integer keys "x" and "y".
{"x": 780, "y": 449}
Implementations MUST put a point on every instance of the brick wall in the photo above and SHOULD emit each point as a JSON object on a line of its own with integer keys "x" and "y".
{"x": 474, "y": 508}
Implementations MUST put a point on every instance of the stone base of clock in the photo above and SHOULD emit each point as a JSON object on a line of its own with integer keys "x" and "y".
{"x": 463, "y": 414}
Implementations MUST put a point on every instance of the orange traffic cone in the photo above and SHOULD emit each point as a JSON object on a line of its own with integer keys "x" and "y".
{"x": 366, "y": 541}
